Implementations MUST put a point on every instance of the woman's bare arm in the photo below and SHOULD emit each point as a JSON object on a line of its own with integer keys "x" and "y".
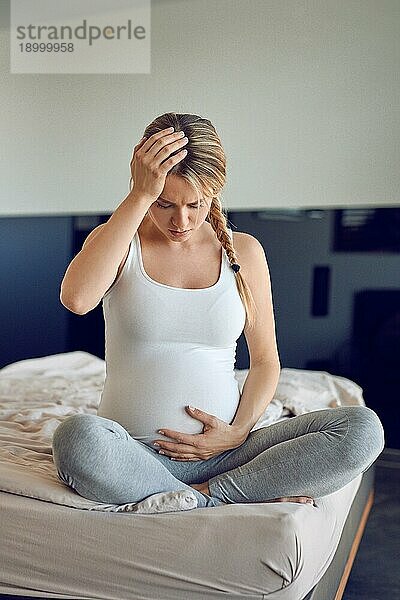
{"x": 265, "y": 367}
{"x": 94, "y": 268}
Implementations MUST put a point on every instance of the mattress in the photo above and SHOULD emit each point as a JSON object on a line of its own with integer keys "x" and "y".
{"x": 55, "y": 543}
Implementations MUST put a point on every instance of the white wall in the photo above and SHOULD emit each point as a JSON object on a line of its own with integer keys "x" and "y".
{"x": 304, "y": 95}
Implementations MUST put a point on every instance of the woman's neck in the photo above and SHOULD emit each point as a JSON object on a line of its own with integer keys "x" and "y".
{"x": 150, "y": 232}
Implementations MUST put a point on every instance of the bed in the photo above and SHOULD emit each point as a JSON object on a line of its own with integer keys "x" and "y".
{"x": 56, "y": 544}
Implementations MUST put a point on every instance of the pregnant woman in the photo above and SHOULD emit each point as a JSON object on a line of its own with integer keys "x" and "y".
{"x": 178, "y": 287}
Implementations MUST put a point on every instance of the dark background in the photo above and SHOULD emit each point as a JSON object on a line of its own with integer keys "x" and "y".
{"x": 335, "y": 283}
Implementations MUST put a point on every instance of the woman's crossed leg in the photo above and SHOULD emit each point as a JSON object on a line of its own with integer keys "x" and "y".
{"x": 310, "y": 455}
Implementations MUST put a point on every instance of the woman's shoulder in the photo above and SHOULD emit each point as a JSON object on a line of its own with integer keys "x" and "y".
{"x": 249, "y": 251}
{"x": 246, "y": 242}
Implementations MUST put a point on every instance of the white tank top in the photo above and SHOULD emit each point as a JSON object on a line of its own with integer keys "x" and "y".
{"x": 167, "y": 347}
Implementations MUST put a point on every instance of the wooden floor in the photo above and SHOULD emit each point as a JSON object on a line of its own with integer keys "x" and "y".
{"x": 354, "y": 548}
{"x": 375, "y": 574}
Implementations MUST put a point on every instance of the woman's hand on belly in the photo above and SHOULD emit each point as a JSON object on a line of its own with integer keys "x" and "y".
{"x": 217, "y": 437}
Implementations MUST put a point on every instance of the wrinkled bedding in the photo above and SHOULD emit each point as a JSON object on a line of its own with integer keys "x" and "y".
{"x": 56, "y": 544}
{"x": 37, "y": 394}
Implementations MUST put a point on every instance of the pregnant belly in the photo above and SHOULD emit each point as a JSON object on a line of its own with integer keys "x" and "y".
{"x": 143, "y": 410}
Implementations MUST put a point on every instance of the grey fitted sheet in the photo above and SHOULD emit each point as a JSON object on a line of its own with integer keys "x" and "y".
{"x": 266, "y": 550}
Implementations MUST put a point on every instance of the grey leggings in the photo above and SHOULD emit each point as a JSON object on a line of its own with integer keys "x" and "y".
{"x": 312, "y": 455}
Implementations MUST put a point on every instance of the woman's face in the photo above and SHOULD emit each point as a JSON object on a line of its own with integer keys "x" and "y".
{"x": 176, "y": 209}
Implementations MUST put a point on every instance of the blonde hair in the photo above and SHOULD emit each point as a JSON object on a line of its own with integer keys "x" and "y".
{"x": 204, "y": 168}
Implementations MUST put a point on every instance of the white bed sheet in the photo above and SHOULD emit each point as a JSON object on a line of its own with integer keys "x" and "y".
{"x": 244, "y": 551}
{"x": 54, "y": 542}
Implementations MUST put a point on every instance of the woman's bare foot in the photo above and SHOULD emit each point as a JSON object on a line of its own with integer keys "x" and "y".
{"x": 299, "y": 499}
{"x": 204, "y": 489}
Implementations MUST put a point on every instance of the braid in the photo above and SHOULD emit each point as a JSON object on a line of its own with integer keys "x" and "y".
{"x": 204, "y": 169}
{"x": 218, "y": 222}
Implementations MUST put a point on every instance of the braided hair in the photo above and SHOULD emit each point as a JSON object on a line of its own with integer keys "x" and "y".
{"x": 204, "y": 168}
